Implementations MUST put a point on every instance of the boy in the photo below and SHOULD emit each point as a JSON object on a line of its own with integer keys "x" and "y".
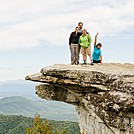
{"x": 97, "y": 53}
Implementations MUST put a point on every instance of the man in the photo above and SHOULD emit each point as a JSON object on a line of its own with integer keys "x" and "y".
{"x": 97, "y": 53}
{"x": 80, "y": 26}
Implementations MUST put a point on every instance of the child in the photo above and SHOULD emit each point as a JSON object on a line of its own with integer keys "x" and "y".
{"x": 97, "y": 53}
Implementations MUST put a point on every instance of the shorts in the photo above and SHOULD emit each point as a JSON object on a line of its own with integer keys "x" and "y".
{"x": 96, "y": 61}
{"x": 86, "y": 51}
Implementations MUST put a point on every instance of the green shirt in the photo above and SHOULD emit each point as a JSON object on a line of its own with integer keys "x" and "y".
{"x": 85, "y": 41}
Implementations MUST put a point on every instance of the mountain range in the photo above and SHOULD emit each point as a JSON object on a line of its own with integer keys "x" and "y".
{"x": 19, "y": 98}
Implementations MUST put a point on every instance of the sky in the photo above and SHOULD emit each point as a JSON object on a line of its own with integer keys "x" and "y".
{"x": 34, "y": 33}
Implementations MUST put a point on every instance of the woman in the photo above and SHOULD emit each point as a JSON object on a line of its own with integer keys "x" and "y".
{"x": 97, "y": 53}
{"x": 74, "y": 47}
{"x": 85, "y": 43}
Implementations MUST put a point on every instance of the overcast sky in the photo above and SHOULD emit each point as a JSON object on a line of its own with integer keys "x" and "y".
{"x": 34, "y": 33}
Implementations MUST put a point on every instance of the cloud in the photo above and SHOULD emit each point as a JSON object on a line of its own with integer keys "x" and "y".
{"x": 29, "y": 23}
{"x": 15, "y": 73}
{"x": 2, "y": 70}
{"x": 5, "y": 72}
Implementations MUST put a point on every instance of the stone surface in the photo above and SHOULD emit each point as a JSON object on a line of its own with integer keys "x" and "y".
{"x": 103, "y": 94}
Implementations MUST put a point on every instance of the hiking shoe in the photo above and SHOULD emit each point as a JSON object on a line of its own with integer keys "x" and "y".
{"x": 84, "y": 63}
{"x": 92, "y": 63}
{"x": 72, "y": 63}
{"x": 77, "y": 63}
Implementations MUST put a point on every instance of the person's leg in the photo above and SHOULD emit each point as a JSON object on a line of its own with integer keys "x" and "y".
{"x": 77, "y": 55}
{"x": 83, "y": 52}
{"x": 85, "y": 58}
{"x": 95, "y": 61}
{"x": 72, "y": 54}
{"x": 90, "y": 57}
{"x": 88, "y": 51}
{"x": 79, "y": 48}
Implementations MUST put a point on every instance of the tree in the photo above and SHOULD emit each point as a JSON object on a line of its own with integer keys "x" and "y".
{"x": 42, "y": 127}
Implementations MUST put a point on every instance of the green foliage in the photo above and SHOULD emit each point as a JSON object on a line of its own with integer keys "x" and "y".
{"x": 14, "y": 124}
{"x": 40, "y": 127}
{"x": 11, "y": 124}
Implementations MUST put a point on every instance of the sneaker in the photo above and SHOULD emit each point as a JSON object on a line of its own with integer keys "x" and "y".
{"x": 72, "y": 63}
{"x": 77, "y": 63}
{"x": 84, "y": 63}
{"x": 92, "y": 63}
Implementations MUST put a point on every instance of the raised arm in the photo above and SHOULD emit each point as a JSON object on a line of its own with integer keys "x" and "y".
{"x": 95, "y": 41}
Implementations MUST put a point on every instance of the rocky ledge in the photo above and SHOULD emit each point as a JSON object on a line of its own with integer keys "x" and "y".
{"x": 103, "y": 94}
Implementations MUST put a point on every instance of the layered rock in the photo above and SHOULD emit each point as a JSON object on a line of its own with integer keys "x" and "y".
{"x": 102, "y": 94}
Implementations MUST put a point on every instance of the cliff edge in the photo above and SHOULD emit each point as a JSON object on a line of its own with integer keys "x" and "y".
{"x": 103, "y": 94}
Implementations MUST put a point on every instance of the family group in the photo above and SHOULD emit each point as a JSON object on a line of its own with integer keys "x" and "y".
{"x": 80, "y": 41}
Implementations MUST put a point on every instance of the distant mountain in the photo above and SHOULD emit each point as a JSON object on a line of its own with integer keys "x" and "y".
{"x": 19, "y": 81}
{"x": 17, "y": 105}
{"x": 18, "y": 88}
{"x": 11, "y": 124}
{"x": 28, "y": 103}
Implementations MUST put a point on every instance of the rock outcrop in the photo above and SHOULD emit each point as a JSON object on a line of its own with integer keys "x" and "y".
{"x": 103, "y": 94}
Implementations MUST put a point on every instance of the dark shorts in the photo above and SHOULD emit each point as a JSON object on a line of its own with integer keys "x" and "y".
{"x": 96, "y": 61}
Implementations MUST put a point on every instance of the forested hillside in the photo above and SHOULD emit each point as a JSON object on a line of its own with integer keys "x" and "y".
{"x": 10, "y": 124}
{"x": 18, "y": 105}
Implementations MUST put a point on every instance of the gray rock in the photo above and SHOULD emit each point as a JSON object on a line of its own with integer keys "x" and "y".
{"x": 102, "y": 94}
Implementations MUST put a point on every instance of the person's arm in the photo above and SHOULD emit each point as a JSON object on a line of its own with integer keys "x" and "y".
{"x": 95, "y": 41}
{"x": 101, "y": 59}
{"x": 100, "y": 56}
{"x": 89, "y": 40}
{"x": 79, "y": 41}
{"x": 70, "y": 38}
